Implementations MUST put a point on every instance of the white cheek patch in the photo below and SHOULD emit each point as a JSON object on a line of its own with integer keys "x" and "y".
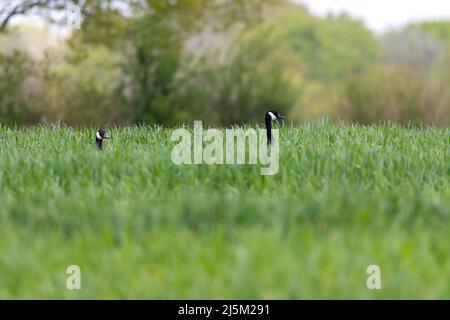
{"x": 99, "y": 137}
{"x": 272, "y": 116}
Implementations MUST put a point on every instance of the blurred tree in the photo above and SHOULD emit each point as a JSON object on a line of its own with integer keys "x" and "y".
{"x": 260, "y": 73}
{"x": 44, "y": 8}
{"x": 333, "y": 49}
{"x": 336, "y": 47}
{"x": 104, "y": 12}
{"x": 437, "y": 29}
{"x": 150, "y": 69}
{"x": 156, "y": 47}
{"x": 81, "y": 93}
{"x": 412, "y": 49}
{"x": 15, "y": 68}
{"x": 167, "y": 61}
{"x": 397, "y": 95}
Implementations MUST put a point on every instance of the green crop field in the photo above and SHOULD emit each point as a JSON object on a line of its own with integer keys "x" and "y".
{"x": 139, "y": 226}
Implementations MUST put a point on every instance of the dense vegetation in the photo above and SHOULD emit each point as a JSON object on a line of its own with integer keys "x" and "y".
{"x": 141, "y": 227}
{"x": 166, "y": 62}
{"x": 371, "y": 186}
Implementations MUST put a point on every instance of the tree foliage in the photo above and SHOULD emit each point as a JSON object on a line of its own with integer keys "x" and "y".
{"x": 165, "y": 62}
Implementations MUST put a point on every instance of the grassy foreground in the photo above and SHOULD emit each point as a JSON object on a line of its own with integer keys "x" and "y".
{"x": 140, "y": 226}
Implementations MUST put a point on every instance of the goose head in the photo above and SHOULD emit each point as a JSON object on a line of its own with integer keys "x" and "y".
{"x": 269, "y": 117}
{"x": 100, "y": 135}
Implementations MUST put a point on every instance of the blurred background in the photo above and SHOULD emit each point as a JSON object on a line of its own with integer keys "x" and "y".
{"x": 122, "y": 62}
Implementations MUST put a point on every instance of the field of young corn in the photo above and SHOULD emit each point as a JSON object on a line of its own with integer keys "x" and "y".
{"x": 140, "y": 226}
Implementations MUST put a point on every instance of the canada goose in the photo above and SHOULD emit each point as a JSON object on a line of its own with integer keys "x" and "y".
{"x": 271, "y": 116}
{"x": 99, "y": 136}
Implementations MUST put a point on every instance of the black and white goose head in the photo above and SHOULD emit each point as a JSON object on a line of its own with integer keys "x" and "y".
{"x": 271, "y": 116}
{"x": 99, "y": 137}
